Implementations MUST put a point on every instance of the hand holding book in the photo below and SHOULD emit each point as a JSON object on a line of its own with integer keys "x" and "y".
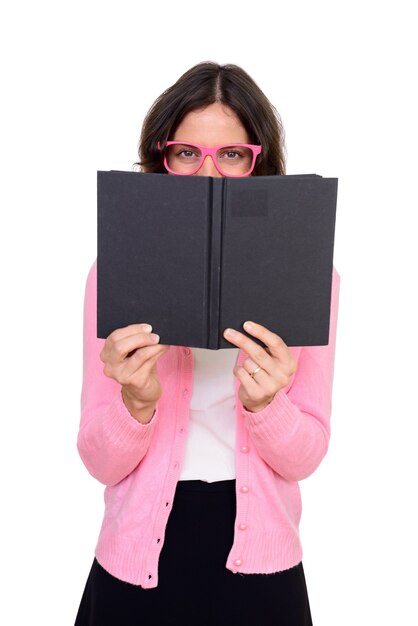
{"x": 266, "y": 371}
{"x": 129, "y": 355}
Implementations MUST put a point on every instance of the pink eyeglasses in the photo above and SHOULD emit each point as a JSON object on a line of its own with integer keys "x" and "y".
{"x": 186, "y": 159}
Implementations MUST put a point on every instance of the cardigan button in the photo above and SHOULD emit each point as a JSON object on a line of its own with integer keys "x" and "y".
{"x": 187, "y": 351}
{"x": 242, "y": 526}
{"x": 244, "y": 449}
{"x": 185, "y": 393}
{"x": 244, "y": 489}
{"x": 237, "y": 562}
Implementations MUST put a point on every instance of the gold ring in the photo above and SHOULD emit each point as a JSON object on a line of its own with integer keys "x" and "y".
{"x": 257, "y": 369}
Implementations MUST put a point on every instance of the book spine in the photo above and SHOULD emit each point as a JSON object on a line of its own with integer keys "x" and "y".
{"x": 215, "y": 262}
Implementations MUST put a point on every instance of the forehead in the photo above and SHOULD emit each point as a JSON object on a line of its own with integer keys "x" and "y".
{"x": 215, "y": 124}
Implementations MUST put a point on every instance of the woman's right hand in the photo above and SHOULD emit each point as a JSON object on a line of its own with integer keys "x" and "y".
{"x": 129, "y": 356}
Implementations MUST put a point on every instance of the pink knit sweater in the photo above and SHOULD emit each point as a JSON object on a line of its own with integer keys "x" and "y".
{"x": 140, "y": 464}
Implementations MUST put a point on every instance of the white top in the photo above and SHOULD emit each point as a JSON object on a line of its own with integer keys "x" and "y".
{"x": 210, "y": 446}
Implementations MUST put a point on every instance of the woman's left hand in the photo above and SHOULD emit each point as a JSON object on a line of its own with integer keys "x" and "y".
{"x": 276, "y": 364}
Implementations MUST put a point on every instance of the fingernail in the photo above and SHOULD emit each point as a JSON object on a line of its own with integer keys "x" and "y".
{"x": 230, "y": 332}
{"x": 155, "y": 338}
{"x": 248, "y": 326}
{"x": 147, "y": 328}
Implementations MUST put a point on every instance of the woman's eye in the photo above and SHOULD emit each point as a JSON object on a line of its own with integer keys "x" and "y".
{"x": 186, "y": 153}
{"x": 231, "y": 155}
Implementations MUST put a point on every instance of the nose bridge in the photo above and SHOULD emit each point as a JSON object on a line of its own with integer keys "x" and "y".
{"x": 208, "y": 167}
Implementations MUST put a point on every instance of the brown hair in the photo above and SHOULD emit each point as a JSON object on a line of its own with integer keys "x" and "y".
{"x": 204, "y": 84}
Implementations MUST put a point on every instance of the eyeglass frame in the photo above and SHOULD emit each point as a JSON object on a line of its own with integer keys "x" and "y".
{"x": 255, "y": 149}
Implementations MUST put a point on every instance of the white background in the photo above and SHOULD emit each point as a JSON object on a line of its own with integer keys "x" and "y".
{"x": 77, "y": 79}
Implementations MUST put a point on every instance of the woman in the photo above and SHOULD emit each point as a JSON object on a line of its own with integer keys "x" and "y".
{"x": 201, "y": 451}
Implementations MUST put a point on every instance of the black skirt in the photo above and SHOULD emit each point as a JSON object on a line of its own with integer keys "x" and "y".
{"x": 194, "y": 586}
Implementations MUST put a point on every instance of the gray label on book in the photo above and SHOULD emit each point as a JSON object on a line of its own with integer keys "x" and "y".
{"x": 248, "y": 203}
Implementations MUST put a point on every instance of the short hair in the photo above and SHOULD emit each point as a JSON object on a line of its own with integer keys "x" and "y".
{"x": 204, "y": 84}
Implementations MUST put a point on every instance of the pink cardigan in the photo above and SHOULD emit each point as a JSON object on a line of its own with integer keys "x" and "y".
{"x": 140, "y": 464}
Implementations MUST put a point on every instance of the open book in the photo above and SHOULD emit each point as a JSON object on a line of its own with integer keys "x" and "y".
{"x": 193, "y": 255}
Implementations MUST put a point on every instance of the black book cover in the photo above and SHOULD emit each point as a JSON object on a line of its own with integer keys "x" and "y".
{"x": 193, "y": 255}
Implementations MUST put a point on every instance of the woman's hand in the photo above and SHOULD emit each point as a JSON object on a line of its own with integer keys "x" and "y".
{"x": 130, "y": 355}
{"x": 277, "y": 364}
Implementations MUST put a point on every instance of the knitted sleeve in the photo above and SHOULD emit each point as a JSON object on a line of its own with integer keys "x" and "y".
{"x": 292, "y": 433}
{"x": 110, "y": 441}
